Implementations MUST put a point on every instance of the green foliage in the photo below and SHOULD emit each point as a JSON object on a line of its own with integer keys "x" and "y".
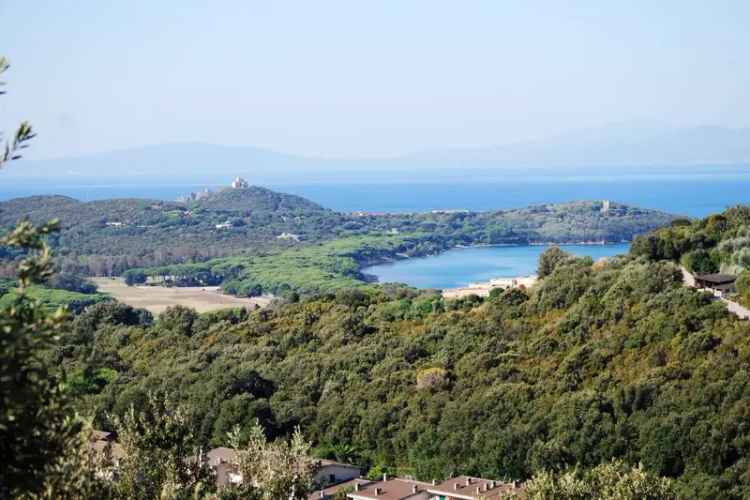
{"x": 509, "y": 297}
{"x": 614, "y": 480}
{"x": 160, "y": 449}
{"x": 35, "y": 420}
{"x": 718, "y": 242}
{"x": 549, "y": 260}
{"x": 699, "y": 261}
{"x": 178, "y": 320}
{"x": 71, "y": 282}
{"x": 52, "y": 298}
{"x": 743, "y": 287}
{"x": 135, "y": 277}
{"x": 272, "y": 470}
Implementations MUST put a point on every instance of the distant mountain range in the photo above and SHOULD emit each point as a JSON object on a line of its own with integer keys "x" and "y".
{"x": 616, "y": 145}
{"x": 612, "y": 146}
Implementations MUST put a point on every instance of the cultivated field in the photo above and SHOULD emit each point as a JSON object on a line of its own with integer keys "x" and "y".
{"x": 156, "y": 298}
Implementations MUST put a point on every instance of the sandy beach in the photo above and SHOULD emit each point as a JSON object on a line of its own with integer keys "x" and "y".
{"x": 484, "y": 289}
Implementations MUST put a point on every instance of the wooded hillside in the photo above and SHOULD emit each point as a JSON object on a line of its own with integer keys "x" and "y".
{"x": 597, "y": 361}
{"x": 108, "y": 237}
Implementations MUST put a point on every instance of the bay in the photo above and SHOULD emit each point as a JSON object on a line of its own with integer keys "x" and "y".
{"x": 463, "y": 266}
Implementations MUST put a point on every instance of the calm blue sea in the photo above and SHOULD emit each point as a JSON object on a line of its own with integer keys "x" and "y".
{"x": 693, "y": 195}
{"x": 462, "y": 266}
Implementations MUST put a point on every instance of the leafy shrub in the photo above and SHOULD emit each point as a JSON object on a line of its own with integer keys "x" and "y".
{"x": 72, "y": 283}
{"x": 550, "y": 259}
{"x": 699, "y": 261}
{"x": 606, "y": 481}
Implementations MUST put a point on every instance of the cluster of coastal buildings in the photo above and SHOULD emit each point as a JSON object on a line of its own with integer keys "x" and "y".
{"x": 340, "y": 480}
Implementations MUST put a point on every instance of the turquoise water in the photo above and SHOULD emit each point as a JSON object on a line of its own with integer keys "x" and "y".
{"x": 462, "y": 266}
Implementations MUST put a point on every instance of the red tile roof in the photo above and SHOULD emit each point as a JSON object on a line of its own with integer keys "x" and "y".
{"x": 466, "y": 487}
{"x": 392, "y": 489}
{"x": 331, "y": 490}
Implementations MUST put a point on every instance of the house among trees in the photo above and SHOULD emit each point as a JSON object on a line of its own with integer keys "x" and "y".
{"x": 722, "y": 283}
{"x": 225, "y": 464}
{"x": 330, "y": 472}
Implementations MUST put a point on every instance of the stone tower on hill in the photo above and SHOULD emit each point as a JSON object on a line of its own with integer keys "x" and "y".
{"x": 240, "y": 183}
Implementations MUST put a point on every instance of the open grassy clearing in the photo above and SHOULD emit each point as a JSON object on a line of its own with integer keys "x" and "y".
{"x": 156, "y": 299}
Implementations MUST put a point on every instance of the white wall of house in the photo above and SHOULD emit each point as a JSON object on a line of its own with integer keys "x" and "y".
{"x": 338, "y": 473}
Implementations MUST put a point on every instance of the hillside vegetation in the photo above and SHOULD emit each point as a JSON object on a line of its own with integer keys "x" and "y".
{"x": 596, "y": 361}
{"x": 306, "y": 270}
{"x": 108, "y": 237}
{"x": 719, "y": 243}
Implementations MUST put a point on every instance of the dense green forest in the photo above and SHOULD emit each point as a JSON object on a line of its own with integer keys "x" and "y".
{"x": 599, "y": 360}
{"x": 108, "y": 237}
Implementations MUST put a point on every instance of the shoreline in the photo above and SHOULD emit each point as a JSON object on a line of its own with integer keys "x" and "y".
{"x": 397, "y": 257}
{"x": 543, "y": 244}
{"x": 484, "y": 288}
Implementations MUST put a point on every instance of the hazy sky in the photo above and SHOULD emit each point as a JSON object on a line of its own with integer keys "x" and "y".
{"x": 365, "y": 78}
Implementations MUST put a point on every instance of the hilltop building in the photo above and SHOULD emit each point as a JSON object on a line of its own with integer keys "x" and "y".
{"x": 240, "y": 183}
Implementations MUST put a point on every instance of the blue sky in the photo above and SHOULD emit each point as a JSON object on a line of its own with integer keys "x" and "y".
{"x": 365, "y": 79}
